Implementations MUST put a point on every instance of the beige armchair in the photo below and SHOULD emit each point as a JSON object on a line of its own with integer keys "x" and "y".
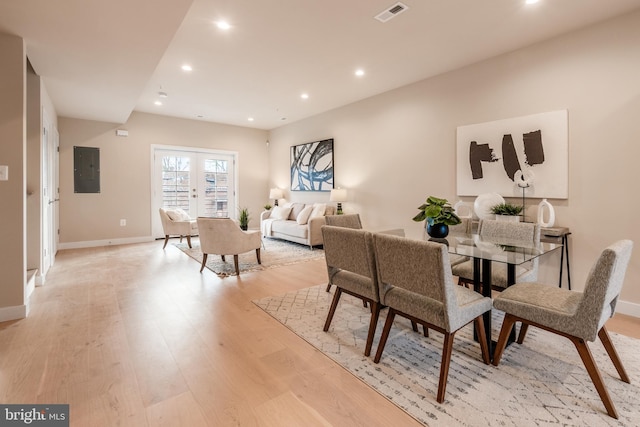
{"x": 176, "y": 222}
{"x": 580, "y": 317}
{"x": 223, "y": 236}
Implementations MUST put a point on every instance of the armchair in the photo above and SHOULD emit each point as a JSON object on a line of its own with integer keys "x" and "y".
{"x": 177, "y": 222}
{"x": 223, "y": 236}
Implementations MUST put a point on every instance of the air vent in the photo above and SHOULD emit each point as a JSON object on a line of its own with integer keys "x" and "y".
{"x": 391, "y": 12}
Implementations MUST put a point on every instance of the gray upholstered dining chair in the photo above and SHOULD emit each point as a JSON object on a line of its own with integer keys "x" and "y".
{"x": 352, "y": 269}
{"x": 580, "y": 317}
{"x": 223, "y": 236}
{"x": 348, "y": 221}
{"x": 509, "y": 232}
{"x": 415, "y": 282}
{"x": 464, "y": 228}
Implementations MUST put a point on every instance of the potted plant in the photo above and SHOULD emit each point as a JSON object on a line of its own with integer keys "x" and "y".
{"x": 439, "y": 215}
{"x": 507, "y": 212}
{"x": 243, "y": 218}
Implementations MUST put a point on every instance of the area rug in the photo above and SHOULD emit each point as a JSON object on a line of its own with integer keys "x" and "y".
{"x": 539, "y": 383}
{"x": 274, "y": 253}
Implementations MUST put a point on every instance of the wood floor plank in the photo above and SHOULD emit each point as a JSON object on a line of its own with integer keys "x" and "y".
{"x": 134, "y": 335}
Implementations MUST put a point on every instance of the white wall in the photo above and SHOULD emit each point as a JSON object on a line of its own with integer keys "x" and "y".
{"x": 92, "y": 219}
{"x": 393, "y": 150}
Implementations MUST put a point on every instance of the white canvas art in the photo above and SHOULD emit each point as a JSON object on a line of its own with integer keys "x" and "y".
{"x": 532, "y": 151}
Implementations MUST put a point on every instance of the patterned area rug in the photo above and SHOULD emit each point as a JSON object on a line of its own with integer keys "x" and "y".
{"x": 541, "y": 382}
{"x": 274, "y": 253}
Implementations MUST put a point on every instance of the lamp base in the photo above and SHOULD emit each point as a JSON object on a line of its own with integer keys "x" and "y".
{"x": 339, "y": 209}
{"x": 275, "y": 202}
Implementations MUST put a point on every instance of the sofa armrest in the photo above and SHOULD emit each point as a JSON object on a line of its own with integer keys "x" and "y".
{"x": 315, "y": 230}
{"x": 265, "y": 214}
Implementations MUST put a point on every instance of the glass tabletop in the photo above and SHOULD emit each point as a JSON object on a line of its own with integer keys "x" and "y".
{"x": 502, "y": 250}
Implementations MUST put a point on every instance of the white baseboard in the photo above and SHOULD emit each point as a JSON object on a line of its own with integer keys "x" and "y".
{"x": 109, "y": 242}
{"x": 13, "y": 313}
{"x": 628, "y": 308}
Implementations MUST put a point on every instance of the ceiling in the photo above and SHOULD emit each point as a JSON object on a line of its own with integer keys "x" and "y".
{"x": 101, "y": 60}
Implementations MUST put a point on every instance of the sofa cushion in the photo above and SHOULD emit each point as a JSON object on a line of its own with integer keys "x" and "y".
{"x": 318, "y": 210}
{"x": 280, "y": 212}
{"x": 296, "y": 208}
{"x": 290, "y": 228}
{"x": 303, "y": 216}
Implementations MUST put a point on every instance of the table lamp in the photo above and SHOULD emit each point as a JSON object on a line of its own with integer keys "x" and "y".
{"x": 275, "y": 193}
{"x": 338, "y": 195}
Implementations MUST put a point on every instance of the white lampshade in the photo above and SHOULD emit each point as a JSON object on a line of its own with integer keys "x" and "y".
{"x": 338, "y": 195}
{"x": 276, "y": 193}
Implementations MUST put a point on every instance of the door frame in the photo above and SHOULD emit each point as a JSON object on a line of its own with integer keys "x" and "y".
{"x": 156, "y": 199}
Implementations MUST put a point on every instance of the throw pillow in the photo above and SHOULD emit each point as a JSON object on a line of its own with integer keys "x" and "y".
{"x": 296, "y": 208}
{"x": 303, "y": 216}
{"x": 318, "y": 210}
{"x": 177, "y": 215}
{"x": 280, "y": 212}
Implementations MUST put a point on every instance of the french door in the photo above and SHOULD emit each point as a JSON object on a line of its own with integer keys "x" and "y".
{"x": 200, "y": 182}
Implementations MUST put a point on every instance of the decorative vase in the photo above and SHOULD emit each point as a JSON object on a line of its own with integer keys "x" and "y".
{"x": 438, "y": 231}
{"x": 552, "y": 215}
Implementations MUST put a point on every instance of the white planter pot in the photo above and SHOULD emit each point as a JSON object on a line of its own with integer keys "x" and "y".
{"x": 508, "y": 218}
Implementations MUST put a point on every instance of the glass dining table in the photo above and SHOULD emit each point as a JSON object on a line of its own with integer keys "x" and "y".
{"x": 484, "y": 251}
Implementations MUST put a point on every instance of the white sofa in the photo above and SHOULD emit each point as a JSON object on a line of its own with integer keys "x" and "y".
{"x": 296, "y": 222}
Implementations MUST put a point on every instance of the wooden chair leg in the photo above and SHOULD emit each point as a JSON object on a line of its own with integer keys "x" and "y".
{"x": 235, "y": 264}
{"x": 332, "y": 309}
{"x": 482, "y": 337}
{"x": 373, "y": 323}
{"x": 204, "y": 262}
{"x": 414, "y": 326}
{"x": 444, "y": 365}
{"x": 258, "y": 255}
{"x": 594, "y": 373}
{"x": 385, "y": 334}
{"x": 523, "y": 333}
{"x": 189, "y": 240}
{"x": 613, "y": 354}
{"x": 223, "y": 260}
{"x": 166, "y": 239}
{"x": 328, "y": 287}
{"x": 425, "y": 331}
{"x": 507, "y": 325}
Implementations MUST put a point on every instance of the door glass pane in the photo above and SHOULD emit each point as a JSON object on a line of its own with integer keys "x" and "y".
{"x": 176, "y": 182}
{"x": 216, "y": 203}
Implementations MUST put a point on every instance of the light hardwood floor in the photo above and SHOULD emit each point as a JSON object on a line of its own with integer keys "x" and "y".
{"x": 134, "y": 336}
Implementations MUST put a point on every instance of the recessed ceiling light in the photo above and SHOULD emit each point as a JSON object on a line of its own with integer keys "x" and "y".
{"x": 304, "y": 96}
{"x": 250, "y": 119}
{"x": 158, "y": 103}
{"x": 223, "y": 25}
{"x": 531, "y": 1}
{"x": 359, "y": 72}
{"x": 186, "y": 67}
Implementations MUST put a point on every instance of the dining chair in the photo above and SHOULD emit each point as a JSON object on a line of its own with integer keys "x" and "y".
{"x": 415, "y": 282}
{"x": 464, "y": 228}
{"x": 580, "y": 317}
{"x": 508, "y": 232}
{"x": 352, "y": 269}
{"x": 348, "y": 221}
{"x": 223, "y": 236}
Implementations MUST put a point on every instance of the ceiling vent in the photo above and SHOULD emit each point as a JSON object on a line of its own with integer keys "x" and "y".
{"x": 391, "y": 12}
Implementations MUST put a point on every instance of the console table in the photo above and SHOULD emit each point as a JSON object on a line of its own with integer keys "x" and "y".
{"x": 559, "y": 235}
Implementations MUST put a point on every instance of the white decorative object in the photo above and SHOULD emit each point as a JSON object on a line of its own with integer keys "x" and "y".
{"x": 544, "y": 204}
{"x": 483, "y": 204}
{"x": 508, "y": 218}
{"x": 463, "y": 209}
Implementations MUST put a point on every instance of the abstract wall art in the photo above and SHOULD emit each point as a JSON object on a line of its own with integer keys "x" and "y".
{"x": 493, "y": 156}
{"x": 312, "y": 166}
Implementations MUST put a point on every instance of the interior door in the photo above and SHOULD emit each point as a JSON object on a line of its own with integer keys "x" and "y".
{"x": 200, "y": 182}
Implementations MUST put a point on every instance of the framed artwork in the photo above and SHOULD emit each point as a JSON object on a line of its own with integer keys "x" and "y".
{"x": 312, "y": 166}
{"x": 505, "y": 156}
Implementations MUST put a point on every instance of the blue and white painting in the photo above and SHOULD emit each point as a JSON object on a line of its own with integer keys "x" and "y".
{"x": 312, "y": 166}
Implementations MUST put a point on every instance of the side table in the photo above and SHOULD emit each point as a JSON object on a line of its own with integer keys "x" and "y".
{"x": 559, "y": 235}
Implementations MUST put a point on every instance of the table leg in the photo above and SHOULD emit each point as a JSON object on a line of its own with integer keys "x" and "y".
{"x": 486, "y": 291}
